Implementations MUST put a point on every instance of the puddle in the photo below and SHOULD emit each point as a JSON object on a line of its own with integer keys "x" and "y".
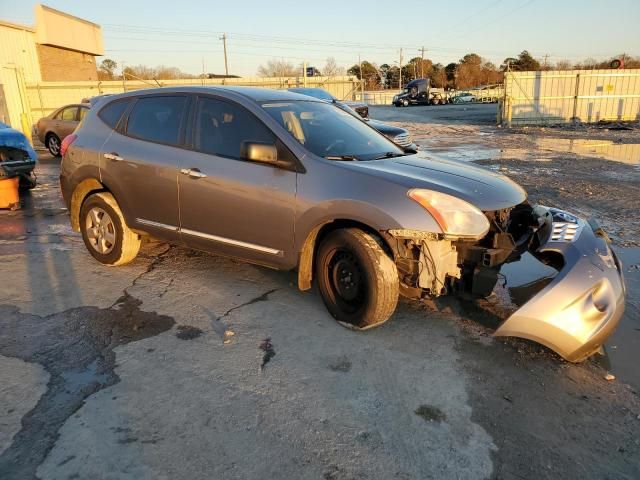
{"x": 618, "y": 152}
{"x": 465, "y": 153}
{"x": 623, "y": 346}
{"x": 525, "y": 278}
{"x": 628, "y": 153}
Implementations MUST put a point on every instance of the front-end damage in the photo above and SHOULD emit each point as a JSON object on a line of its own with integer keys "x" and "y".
{"x": 572, "y": 313}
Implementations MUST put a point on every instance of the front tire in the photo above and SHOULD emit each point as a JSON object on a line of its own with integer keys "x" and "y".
{"x": 405, "y": 103}
{"x": 358, "y": 281}
{"x": 53, "y": 144}
{"x": 105, "y": 232}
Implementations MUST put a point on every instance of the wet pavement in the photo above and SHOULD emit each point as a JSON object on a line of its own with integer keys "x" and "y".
{"x": 185, "y": 365}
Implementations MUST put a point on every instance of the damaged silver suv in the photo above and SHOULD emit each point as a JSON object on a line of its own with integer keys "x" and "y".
{"x": 282, "y": 180}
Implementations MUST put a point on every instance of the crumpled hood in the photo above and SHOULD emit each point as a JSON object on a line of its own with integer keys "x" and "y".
{"x": 483, "y": 188}
{"x": 10, "y": 137}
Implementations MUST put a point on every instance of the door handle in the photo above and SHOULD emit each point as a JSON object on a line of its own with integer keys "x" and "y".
{"x": 193, "y": 172}
{"x": 113, "y": 156}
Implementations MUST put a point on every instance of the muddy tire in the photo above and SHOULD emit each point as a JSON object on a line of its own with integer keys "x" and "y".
{"x": 53, "y": 143}
{"x": 105, "y": 232}
{"x": 358, "y": 281}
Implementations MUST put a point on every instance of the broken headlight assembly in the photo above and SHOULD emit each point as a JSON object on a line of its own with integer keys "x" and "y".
{"x": 456, "y": 217}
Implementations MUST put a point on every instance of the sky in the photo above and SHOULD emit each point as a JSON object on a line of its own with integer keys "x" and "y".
{"x": 186, "y": 33}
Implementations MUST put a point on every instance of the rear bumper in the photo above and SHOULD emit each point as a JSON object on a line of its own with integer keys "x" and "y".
{"x": 581, "y": 307}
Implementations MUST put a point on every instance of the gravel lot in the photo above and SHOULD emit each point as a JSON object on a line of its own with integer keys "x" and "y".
{"x": 184, "y": 365}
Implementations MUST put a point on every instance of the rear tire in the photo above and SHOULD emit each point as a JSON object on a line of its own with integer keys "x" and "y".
{"x": 105, "y": 232}
{"x": 358, "y": 281}
{"x": 53, "y": 144}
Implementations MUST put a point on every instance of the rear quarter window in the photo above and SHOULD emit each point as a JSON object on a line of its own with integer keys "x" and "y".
{"x": 112, "y": 112}
{"x": 157, "y": 119}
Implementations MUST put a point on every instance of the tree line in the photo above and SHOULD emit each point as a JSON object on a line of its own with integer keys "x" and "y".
{"x": 107, "y": 71}
{"x": 470, "y": 71}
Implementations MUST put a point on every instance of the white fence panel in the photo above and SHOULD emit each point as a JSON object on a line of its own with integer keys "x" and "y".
{"x": 571, "y": 96}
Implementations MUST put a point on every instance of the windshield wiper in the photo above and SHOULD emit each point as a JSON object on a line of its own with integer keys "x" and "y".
{"x": 390, "y": 155}
{"x": 342, "y": 157}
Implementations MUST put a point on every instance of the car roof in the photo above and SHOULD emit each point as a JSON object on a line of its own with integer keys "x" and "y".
{"x": 256, "y": 94}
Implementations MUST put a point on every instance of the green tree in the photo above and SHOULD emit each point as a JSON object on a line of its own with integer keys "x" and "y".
{"x": 367, "y": 71}
{"x": 450, "y": 71}
{"x": 526, "y": 62}
{"x": 523, "y": 63}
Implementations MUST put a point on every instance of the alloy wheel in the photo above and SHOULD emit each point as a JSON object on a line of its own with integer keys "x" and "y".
{"x": 54, "y": 145}
{"x": 100, "y": 230}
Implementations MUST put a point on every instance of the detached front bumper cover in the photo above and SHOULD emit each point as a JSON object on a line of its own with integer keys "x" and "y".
{"x": 581, "y": 307}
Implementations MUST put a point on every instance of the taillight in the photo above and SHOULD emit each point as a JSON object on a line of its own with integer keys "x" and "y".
{"x": 66, "y": 143}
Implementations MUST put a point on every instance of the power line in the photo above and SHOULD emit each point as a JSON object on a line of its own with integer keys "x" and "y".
{"x": 494, "y": 20}
{"x": 474, "y": 15}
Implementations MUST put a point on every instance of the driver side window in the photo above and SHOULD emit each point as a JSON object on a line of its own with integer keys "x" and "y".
{"x": 221, "y": 128}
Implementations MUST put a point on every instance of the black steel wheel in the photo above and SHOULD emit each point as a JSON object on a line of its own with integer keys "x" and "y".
{"x": 358, "y": 281}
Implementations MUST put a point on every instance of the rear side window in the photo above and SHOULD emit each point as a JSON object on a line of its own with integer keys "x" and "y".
{"x": 82, "y": 112}
{"x": 157, "y": 119}
{"x": 111, "y": 113}
{"x": 68, "y": 114}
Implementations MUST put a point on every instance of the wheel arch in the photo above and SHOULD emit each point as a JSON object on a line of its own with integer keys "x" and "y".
{"x": 85, "y": 188}
{"x": 319, "y": 232}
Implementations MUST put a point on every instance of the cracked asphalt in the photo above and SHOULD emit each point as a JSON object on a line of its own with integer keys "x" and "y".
{"x": 184, "y": 365}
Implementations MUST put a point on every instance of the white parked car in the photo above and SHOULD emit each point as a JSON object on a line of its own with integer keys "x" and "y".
{"x": 464, "y": 97}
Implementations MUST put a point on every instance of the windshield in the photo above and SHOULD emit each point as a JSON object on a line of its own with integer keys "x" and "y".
{"x": 332, "y": 133}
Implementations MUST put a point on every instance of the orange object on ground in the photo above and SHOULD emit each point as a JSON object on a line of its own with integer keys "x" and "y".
{"x": 9, "y": 197}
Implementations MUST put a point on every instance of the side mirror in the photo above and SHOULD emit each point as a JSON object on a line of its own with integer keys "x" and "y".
{"x": 259, "y": 152}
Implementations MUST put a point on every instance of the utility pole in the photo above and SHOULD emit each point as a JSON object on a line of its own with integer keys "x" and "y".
{"x": 124, "y": 84}
{"x": 545, "y": 60}
{"x": 361, "y": 79}
{"x": 400, "y": 65}
{"x": 422, "y": 62}
{"x": 224, "y": 44}
{"x": 304, "y": 73}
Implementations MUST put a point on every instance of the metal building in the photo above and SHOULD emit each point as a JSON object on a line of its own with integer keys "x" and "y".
{"x": 60, "y": 47}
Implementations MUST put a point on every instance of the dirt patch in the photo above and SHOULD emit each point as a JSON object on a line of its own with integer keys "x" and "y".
{"x": 341, "y": 364}
{"x": 76, "y": 348}
{"x": 269, "y": 352}
{"x": 430, "y": 413}
{"x": 188, "y": 332}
